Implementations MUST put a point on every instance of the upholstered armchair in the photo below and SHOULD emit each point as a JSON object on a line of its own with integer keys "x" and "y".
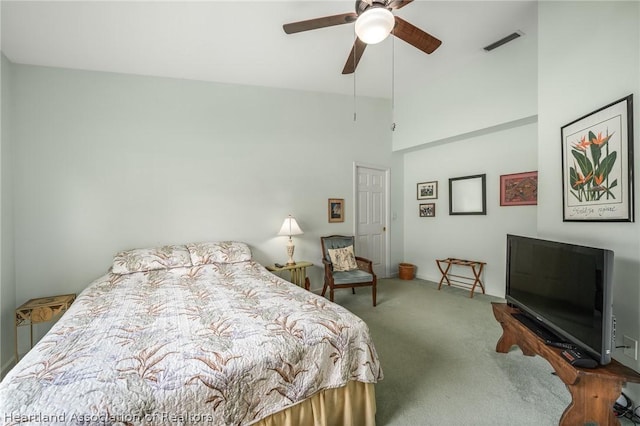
{"x": 343, "y": 269}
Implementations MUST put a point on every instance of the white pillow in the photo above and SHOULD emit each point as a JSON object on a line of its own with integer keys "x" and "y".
{"x": 218, "y": 252}
{"x": 151, "y": 259}
{"x": 343, "y": 259}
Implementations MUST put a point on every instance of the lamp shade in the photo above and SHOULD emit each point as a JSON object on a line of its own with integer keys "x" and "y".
{"x": 374, "y": 25}
{"x": 290, "y": 227}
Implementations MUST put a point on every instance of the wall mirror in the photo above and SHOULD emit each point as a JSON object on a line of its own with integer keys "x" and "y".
{"x": 467, "y": 195}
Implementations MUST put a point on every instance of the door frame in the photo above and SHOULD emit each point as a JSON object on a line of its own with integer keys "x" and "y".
{"x": 387, "y": 207}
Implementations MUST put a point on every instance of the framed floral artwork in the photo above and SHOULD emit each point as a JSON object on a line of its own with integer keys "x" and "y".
{"x": 519, "y": 189}
{"x": 597, "y": 165}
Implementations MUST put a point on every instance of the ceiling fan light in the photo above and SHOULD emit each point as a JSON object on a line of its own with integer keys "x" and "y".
{"x": 374, "y": 25}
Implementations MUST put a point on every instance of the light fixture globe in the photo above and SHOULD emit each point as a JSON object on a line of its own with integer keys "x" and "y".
{"x": 374, "y": 25}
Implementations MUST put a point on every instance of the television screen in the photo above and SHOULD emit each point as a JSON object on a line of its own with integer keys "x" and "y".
{"x": 566, "y": 287}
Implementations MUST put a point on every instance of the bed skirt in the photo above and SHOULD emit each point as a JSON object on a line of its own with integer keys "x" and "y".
{"x": 351, "y": 405}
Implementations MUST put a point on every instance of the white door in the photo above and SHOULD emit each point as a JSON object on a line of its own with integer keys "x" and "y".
{"x": 371, "y": 218}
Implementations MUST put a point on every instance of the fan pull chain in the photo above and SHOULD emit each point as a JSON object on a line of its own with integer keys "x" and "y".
{"x": 393, "y": 83}
{"x": 354, "y": 76}
{"x": 354, "y": 96}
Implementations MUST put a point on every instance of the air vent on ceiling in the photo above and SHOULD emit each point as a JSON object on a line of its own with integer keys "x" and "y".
{"x": 502, "y": 41}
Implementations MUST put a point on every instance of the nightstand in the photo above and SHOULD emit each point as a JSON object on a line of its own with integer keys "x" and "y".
{"x": 41, "y": 309}
{"x": 298, "y": 273}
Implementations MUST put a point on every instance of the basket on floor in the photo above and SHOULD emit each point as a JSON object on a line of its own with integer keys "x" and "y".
{"x": 406, "y": 271}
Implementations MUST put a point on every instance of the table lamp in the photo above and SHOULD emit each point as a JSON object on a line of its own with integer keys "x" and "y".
{"x": 290, "y": 227}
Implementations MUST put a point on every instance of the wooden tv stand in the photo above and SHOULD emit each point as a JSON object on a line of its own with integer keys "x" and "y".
{"x": 593, "y": 391}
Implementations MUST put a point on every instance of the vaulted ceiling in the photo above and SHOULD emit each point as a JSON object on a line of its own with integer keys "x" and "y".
{"x": 243, "y": 42}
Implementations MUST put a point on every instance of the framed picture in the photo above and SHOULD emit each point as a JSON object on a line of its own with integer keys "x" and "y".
{"x": 519, "y": 189}
{"x": 428, "y": 210}
{"x": 336, "y": 210}
{"x": 428, "y": 190}
{"x": 468, "y": 195}
{"x": 597, "y": 165}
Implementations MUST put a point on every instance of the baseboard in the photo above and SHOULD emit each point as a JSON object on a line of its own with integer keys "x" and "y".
{"x": 428, "y": 278}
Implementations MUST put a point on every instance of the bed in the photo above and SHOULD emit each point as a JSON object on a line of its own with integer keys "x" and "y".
{"x": 196, "y": 334}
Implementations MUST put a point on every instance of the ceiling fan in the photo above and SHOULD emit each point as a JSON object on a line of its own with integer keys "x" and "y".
{"x": 374, "y": 21}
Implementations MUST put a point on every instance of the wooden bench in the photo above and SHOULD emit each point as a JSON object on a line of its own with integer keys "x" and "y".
{"x": 593, "y": 390}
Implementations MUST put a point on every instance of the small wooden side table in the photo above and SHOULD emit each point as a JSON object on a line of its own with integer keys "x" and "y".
{"x": 469, "y": 282}
{"x": 298, "y": 273}
{"x": 41, "y": 309}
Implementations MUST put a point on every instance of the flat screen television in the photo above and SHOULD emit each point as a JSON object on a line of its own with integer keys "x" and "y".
{"x": 565, "y": 288}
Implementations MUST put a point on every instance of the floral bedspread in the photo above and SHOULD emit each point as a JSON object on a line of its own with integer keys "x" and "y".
{"x": 224, "y": 343}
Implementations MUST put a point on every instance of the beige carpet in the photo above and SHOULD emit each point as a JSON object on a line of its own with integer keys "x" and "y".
{"x": 437, "y": 350}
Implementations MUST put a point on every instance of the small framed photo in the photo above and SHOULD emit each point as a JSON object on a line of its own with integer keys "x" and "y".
{"x": 428, "y": 190}
{"x": 336, "y": 210}
{"x": 428, "y": 210}
{"x": 519, "y": 189}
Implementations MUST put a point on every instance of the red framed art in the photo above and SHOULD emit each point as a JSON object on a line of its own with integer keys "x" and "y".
{"x": 519, "y": 189}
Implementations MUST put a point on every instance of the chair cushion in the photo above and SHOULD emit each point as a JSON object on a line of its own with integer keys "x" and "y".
{"x": 350, "y": 277}
{"x": 343, "y": 259}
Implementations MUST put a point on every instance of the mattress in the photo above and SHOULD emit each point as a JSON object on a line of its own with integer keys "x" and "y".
{"x": 189, "y": 334}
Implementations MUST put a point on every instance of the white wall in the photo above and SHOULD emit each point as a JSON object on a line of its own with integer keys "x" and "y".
{"x": 106, "y": 162}
{"x": 496, "y": 88}
{"x": 478, "y": 119}
{"x": 477, "y": 237}
{"x": 589, "y": 56}
{"x": 7, "y": 278}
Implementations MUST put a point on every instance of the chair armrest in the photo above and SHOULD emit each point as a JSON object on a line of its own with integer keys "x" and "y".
{"x": 364, "y": 264}
{"x": 328, "y": 266}
{"x": 328, "y": 270}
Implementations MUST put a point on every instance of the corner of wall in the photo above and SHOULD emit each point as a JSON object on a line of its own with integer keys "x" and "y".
{"x": 7, "y": 270}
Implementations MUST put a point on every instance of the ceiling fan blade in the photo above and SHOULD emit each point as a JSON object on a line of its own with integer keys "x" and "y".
{"x": 354, "y": 57}
{"x": 415, "y": 36}
{"x": 398, "y": 4}
{"x": 312, "y": 24}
